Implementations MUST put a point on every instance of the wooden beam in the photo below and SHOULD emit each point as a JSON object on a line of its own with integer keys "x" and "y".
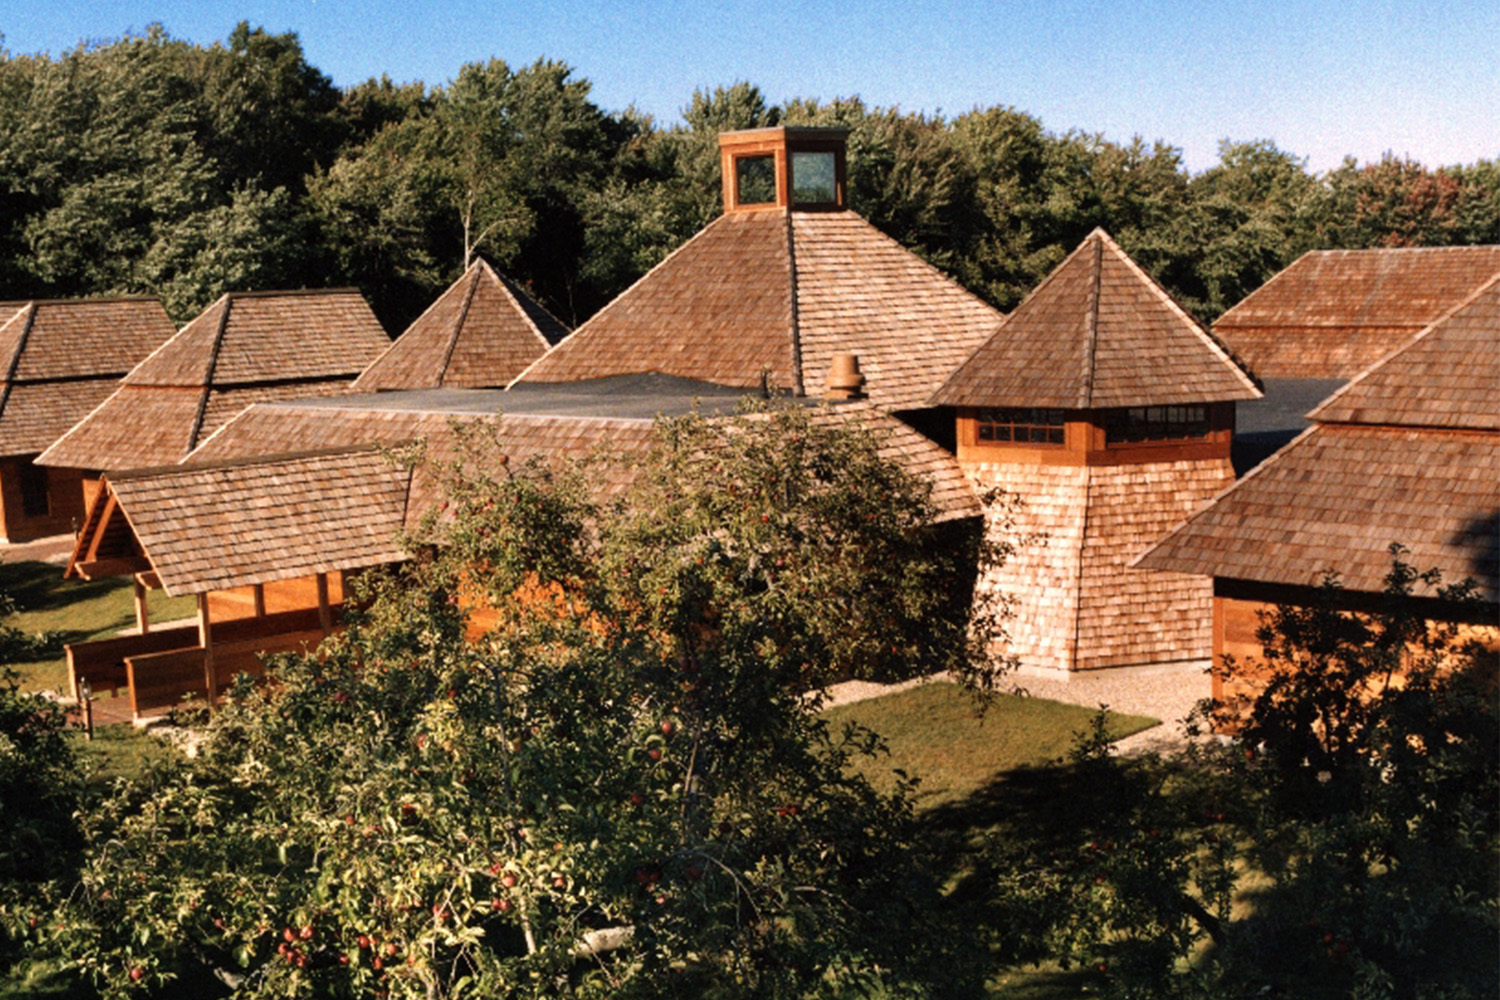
{"x": 258, "y": 594}
{"x": 142, "y": 616}
{"x": 149, "y": 580}
{"x": 325, "y": 615}
{"x": 98, "y": 569}
{"x": 206, "y": 640}
{"x": 110, "y": 503}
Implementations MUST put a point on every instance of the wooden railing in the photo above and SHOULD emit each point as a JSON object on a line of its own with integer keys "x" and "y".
{"x": 159, "y": 669}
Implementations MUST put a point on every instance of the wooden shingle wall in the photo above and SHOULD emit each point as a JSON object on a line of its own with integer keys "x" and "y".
{"x": 1126, "y": 616}
{"x": 1078, "y": 606}
{"x": 1043, "y": 576}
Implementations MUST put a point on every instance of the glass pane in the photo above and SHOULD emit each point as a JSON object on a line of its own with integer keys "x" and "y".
{"x": 813, "y": 181}
{"x": 755, "y": 179}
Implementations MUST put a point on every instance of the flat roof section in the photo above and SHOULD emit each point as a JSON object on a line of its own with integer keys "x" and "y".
{"x": 620, "y": 397}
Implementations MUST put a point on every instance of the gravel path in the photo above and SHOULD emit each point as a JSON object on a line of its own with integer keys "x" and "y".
{"x": 1166, "y": 693}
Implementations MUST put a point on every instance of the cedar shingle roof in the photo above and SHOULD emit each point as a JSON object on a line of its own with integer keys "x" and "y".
{"x": 269, "y": 519}
{"x": 779, "y": 292}
{"x": 1333, "y": 313}
{"x": 1337, "y": 497}
{"x": 1097, "y": 332}
{"x": 246, "y": 347}
{"x": 290, "y": 426}
{"x": 479, "y": 333}
{"x": 1447, "y": 376}
{"x": 1408, "y": 452}
{"x": 60, "y": 359}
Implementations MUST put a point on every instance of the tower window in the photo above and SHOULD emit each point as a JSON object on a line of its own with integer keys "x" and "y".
{"x": 1155, "y": 423}
{"x": 1022, "y": 426}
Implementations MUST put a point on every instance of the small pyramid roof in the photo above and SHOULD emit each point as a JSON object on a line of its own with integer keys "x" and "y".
{"x": 247, "y": 347}
{"x": 60, "y": 359}
{"x": 250, "y": 337}
{"x": 1447, "y": 376}
{"x": 777, "y": 293}
{"x": 1098, "y": 332}
{"x": 480, "y": 333}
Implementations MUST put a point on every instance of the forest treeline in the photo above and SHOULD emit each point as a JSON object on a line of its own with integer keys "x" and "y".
{"x": 154, "y": 165}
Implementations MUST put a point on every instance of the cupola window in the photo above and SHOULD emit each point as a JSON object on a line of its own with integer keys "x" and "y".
{"x": 814, "y": 178}
{"x": 755, "y": 180}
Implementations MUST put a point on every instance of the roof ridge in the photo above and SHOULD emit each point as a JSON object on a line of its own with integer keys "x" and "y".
{"x": 1091, "y": 319}
{"x": 799, "y": 386}
{"x": 89, "y": 300}
{"x": 1416, "y": 339}
{"x": 208, "y": 374}
{"x": 14, "y": 364}
{"x": 458, "y": 322}
{"x": 271, "y": 458}
{"x": 275, "y": 292}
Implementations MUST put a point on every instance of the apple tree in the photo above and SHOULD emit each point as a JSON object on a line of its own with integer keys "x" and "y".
{"x": 572, "y": 748}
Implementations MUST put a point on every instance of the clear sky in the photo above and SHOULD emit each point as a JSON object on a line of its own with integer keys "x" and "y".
{"x": 1321, "y": 78}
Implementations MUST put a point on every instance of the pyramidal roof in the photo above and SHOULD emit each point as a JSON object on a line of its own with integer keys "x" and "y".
{"x": 776, "y": 293}
{"x": 1446, "y": 376}
{"x": 247, "y": 347}
{"x": 480, "y": 333}
{"x": 1098, "y": 332}
{"x": 60, "y": 359}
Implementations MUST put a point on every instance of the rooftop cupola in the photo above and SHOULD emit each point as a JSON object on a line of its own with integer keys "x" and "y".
{"x": 797, "y": 168}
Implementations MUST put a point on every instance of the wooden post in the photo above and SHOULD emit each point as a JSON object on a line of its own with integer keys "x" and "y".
{"x": 86, "y": 703}
{"x": 325, "y": 616}
{"x": 259, "y": 593}
{"x": 206, "y": 640}
{"x": 142, "y": 617}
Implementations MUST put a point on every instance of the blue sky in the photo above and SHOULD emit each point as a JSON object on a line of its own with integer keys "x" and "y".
{"x": 1322, "y": 78}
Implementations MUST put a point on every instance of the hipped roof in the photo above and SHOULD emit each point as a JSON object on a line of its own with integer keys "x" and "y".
{"x": 246, "y": 347}
{"x": 1407, "y": 453}
{"x": 60, "y": 359}
{"x": 1333, "y": 313}
{"x": 777, "y": 293}
{"x": 479, "y": 333}
{"x": 1098, "y": 332}
{"x": 1447, "y": 376}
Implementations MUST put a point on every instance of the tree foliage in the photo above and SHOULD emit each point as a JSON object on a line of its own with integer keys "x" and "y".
{"x": 573, "y": 751}
{"x": 124, "y": 165}
{"x": 1344, "y": 843}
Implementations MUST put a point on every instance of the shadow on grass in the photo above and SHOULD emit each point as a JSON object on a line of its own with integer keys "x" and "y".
{"x": 39, "y": 586}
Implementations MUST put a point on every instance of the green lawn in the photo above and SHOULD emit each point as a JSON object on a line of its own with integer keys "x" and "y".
{"x": 78, "y": 609}
{"x": 934, "y": 735}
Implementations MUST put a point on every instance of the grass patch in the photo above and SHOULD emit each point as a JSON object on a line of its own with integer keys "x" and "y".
{"x": 78, "y": 610}
{"x": 119, "y": 751}
{"x": 934, "y": 734}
